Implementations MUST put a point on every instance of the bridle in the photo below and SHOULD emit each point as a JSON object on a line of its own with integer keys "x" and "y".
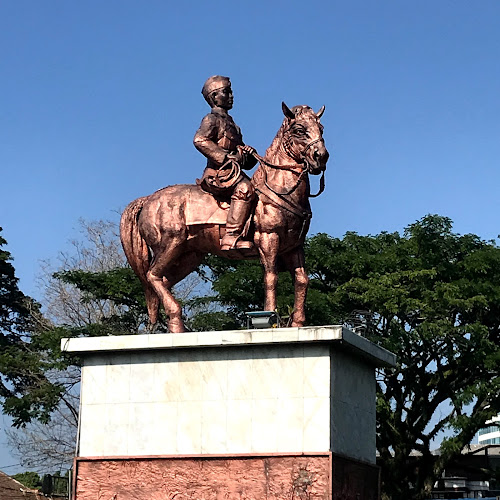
{"x": 282, "y": 199}
{"x": 301, "y": 161}
{"x": 312, "y": 143}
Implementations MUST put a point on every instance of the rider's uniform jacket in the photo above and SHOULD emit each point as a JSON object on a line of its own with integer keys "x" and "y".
{"x": 217, "y": 137}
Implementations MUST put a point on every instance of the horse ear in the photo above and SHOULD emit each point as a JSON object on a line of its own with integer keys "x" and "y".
{"x": 319, "y": 114}
{"x": 287, "y": 111}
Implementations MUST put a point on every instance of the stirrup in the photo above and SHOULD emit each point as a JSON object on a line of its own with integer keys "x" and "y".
{"x": 235, "y": 244}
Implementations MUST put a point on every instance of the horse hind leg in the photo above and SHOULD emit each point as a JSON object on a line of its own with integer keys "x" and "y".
{"x": 153, "y": 305}
{"x": 168, "y": 269}
{"x": 183, "y": 266}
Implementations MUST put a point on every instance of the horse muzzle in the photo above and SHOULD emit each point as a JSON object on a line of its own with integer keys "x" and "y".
{"x": 316, "y": 158}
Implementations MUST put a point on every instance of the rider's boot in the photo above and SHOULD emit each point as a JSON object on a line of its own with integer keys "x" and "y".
{"x": 239, "y": 212}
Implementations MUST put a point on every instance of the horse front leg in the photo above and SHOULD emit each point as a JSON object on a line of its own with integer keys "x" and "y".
{"x": 295, "y": 263}
{"x": 268, "y": 249}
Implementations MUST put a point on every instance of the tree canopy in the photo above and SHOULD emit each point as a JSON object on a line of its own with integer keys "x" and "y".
{"x": 29, "y": 479}
{"x": 25, "y": 391}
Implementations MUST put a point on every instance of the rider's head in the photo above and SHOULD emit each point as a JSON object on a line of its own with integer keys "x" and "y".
{"x": 217, "y": 92}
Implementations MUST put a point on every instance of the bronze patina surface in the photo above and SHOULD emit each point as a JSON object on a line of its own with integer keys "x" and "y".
{"x": 166, "y": 235}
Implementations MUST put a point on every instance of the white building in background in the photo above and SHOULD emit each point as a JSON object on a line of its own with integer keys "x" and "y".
{"x": 491, "y": 433}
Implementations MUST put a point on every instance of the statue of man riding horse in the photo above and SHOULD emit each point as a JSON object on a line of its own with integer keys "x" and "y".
{"x": 220, "y": 140}
{"x": 166, "y": 235}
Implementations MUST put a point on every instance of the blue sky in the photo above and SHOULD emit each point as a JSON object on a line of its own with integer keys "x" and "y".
{"x": 100, "y": 102}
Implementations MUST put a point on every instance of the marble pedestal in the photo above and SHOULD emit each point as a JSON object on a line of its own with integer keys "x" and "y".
{"x": 252, "y": 414}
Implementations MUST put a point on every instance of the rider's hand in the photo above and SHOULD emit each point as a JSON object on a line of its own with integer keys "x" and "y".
{"x": 237, "y": 156}
{"x": 248, "y": 150}
{"x": 241, "y": 154}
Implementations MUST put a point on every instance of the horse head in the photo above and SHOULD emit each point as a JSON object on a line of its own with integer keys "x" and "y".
{"x": 303, "y": 137}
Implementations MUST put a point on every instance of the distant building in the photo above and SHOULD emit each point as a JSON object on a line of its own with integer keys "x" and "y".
{"x": 471, "y": 475}
{"x": 491, "y": 433}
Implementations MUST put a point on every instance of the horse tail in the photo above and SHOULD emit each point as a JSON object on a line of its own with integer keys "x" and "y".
{"x": 138, "y": 254}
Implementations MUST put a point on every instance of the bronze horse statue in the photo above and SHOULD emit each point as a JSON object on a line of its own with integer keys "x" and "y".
{"x": 166, "y": 235}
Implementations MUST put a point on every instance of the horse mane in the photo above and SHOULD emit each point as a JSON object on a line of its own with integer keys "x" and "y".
{"x": 272, "y": 150}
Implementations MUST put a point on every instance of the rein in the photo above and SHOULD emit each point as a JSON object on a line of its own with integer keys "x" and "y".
{"x": 281, "y": 199}
{"x": 301, "y": 174}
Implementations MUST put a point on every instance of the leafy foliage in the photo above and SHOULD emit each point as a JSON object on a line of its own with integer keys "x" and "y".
{"x": 29, "y": 479}
{"x": 121, "y": 288}
{"x": 13, "y": 311}
{"x": 432, "y": 297}
{"x": 25, "y": 391}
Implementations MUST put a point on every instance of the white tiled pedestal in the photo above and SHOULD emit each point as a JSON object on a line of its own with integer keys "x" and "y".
{"x": 276, "y": 392}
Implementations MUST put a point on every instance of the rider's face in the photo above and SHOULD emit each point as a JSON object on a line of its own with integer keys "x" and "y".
{"x": 223, "y": 98}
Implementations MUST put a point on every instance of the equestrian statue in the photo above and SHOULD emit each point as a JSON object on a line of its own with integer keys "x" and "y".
{"x": 166, "y": 235}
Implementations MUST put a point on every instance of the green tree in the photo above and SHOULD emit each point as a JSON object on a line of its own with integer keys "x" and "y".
{"x": 29, "y": 479}
{"x": 25, "y": 391}
{"x": 433, "y": 298}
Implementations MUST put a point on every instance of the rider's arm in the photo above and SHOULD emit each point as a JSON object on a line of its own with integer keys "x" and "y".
{"x": 205, "y": 140}
{"x": 249, "y": 159}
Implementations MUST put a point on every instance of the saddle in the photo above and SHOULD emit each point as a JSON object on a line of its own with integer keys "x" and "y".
{"x": 204, "y": 208}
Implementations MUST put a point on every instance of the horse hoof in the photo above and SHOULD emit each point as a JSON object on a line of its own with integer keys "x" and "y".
{"x": 176, "y": 326}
